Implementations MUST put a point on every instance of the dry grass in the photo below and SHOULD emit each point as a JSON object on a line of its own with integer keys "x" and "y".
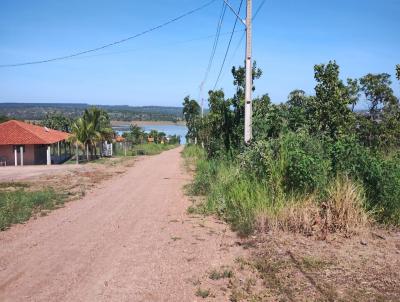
{"x": 342, "y": 210}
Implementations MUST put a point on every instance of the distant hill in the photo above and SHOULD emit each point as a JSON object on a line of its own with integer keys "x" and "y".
{"x": 37, "y": 111}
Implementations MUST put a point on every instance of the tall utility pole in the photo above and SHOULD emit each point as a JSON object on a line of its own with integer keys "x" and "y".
{"x": 248, "y": 110}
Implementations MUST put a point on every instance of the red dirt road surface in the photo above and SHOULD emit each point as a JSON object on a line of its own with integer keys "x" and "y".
{"x": 129, "y": 240}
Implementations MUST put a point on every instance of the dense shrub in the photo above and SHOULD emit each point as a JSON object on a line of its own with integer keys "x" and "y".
{"x": 307, "y": 166}
{"x": 295, "y": 162}
{"x": 379, "y": 175}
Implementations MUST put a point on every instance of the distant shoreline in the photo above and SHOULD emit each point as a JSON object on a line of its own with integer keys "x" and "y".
{"x": 146, "y": 123}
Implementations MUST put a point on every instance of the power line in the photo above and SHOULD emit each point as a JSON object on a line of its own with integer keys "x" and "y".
{"x": 242, "y": 37}
{"x": 229, "y": 45}
{"x": 142, "y": 48}
{"x": 115, "y": 42}
{"x": 259, "y": 9}
{"x": 215, "y": 44}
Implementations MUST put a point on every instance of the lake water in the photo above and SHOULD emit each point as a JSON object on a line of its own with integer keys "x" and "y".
{"x": 167, "y": 129}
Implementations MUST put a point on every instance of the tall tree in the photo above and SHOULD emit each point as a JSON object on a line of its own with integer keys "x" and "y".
{"x": 333, "y": 116}
{"x": 398, "y": 71}
{"x": 191, "y": 113}
{"x": 81, "y": 133}
{"x": 378, "y": 92}
{"x": 220, "y": 118}
{"x": 298, "y": 109}
{"x": 353, "y": 92}
{"x": 57, "y": 121}
{"x": 99, "y": 124}
{"x": 135, "y": 135}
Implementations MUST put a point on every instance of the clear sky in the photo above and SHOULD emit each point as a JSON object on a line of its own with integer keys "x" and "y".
{"x": 290, "y": 36}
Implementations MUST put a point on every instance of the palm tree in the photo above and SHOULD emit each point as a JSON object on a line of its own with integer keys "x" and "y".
{"x": 80, "y": 136}
{"x": 93, "y": 127}
{"x": 99, "y": 127}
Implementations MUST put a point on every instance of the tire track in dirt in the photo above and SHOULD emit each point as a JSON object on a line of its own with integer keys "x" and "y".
{"x": 129, "y": 240}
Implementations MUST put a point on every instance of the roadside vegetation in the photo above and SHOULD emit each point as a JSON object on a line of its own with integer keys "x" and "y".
{"x": 316, "y": 164}
{"x": 318, "y": 189}
{"x": 18, "y": 203}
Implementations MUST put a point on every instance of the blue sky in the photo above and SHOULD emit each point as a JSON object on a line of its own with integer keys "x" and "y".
{"x": 290, "y": 36}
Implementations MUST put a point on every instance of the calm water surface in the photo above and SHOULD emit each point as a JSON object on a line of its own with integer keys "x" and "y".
{"x": 167, "y": 129}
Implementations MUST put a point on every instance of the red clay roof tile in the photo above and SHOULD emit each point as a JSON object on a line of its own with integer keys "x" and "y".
{"x": 19, "y": 133}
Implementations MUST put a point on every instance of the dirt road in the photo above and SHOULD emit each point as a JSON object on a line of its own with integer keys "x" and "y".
{"x": 129, "y": 240}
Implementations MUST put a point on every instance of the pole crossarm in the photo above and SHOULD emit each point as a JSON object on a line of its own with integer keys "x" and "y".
{"x": 236, "y": 14}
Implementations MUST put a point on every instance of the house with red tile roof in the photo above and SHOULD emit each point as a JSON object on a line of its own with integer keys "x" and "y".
{"x": 26, "y": 144}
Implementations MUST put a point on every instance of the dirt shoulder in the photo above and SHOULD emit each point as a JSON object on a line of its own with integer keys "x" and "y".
{"x": 288, "y": 267}
{"x": 130, "y": 239}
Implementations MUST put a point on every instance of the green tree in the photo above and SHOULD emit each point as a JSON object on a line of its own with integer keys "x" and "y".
{"x": 298, "y": 110}
{"x": 99, "y": 125}
{"x": 269, "y": 120}
{"x": 220, "y": 123}
{"x": 81, "y": 136}
{"x": 353, "y": 92}
{"x": 135, "y": 135}
{"x": 3, "y": 118}
{"x": 332, "y": 115}
{"x": 378, "y": 92}
{"x": 398, "y": 71}
{"x": 57, "y": 121}
{"x": 191, "y": 113}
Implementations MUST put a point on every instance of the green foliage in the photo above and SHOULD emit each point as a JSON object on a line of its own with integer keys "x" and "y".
{"x": 92, "y": 128}
{"x": 234, "y": 196}
{"x": 193, "y": 151}
{"x": 298, "y": 110}
{"x": 191, "y": 113}
{"x": 378, "y": 93}
{"x": 293, "y": 162}
{"x": 135, "y": 135}
{"x": 332, "y": 115}
{"x": 398, "y": 71}
{"x": 353, "y": 92}
{"x": 379, "y": 174}
{"x": 307, "y": 168}
{"x": 300, "y": 148}
{"x": 151, "y": 149}
{"x": 3, "y": 118}
{"x": 57, "y": 121}
{"x": 269, "y": 120}
{"x": 19, "y": 205}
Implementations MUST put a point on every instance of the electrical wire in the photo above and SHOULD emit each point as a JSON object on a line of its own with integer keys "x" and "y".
{"x": 143, "y": 48}
{"x": 243, "y": 35}
{"x": 112, "y": 43}
{"x": 228, "y": 47}
{"x": 215, "y": 44}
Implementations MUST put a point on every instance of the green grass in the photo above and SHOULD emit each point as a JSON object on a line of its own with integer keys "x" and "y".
{"x": 248, "y": 201}
{"x": 19, "y": 205}
{"x": 203, "y": 293}
{"x": 151, "y": 149}
{"x": 232, "y": 195}
{"x": 223, "y": 274}
{"x": 193, "y": 152}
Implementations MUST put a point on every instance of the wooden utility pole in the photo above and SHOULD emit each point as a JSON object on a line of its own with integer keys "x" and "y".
{"x": 248, "y": 110}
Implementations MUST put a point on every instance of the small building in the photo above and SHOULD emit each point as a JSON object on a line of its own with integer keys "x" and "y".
{"x": 119, "y": 139}
{"x": 26, "y": 144}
